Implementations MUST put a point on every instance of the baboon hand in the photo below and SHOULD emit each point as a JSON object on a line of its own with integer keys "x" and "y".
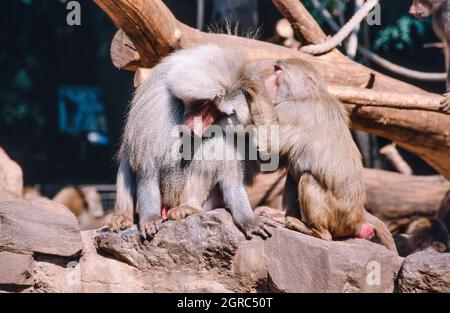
{"x": 120, "y": 221}
{"x": 149, "y": 226}
{"x": 445, "y": 103}
{"x": 181, "y": 212}
{"x": 258, "y": 225}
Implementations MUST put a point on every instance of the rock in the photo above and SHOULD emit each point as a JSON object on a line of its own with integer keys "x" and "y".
{"x": 425, "y": 271}
{"x": 250, "y": 264}
{"x": 40, "y": 246}
{"x": 39, "y": 226}
{"x": 300, "y": 263}
{"x": 103, "y": 274}
{"x": 56, "y": 274}
{"x": 206, "y": 252}
{"x": 11, "y": 182}
{"x": 16, "y": 269}
{"x": 192, "y": 255}
{"x": 202, "y": 241}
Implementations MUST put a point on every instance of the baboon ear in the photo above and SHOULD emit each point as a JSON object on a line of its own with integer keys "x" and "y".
{"x": 278, "y": 69}
{"x": 198, "y": 119}
{"x": 272, "y": 81}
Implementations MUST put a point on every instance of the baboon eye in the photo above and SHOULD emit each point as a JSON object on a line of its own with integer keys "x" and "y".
{"x": 247, "y": 95}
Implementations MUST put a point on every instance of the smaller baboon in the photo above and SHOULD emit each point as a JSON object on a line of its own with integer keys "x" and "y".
{"x": 324, "y": 194}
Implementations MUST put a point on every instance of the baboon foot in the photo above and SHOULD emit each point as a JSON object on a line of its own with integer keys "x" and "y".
{"x": 120, "y": 221}
{"x": 181, "y": 212}
{"x": 258, "y": 225}
{"x": 445, "y": 104}
{"x": 297, "y": 225}
{"x": 273, "y": 214}
{"x": 149, "y": 226}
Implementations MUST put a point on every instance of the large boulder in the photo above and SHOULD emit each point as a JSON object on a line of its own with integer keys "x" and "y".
{"x": 425, "y": 271}
{"x": 11, "y": 181}
{"x": 40, "y": 245}
{"x": 39, "y": 226}
{"x": 206, "y": 252}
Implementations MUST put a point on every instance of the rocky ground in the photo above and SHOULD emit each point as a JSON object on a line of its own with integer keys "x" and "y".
{"x": 42, "y": 250}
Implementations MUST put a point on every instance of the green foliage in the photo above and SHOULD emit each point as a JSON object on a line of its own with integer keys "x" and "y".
{"x": 400, "y": 35}
{"x": 21, "y": 109}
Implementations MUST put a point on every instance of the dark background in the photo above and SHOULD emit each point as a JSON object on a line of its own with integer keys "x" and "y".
{"x": 39, "y": 53}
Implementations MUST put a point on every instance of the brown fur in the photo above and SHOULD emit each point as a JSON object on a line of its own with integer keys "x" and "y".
{"x": 324, "y": 194}
{"x": 85, "y": 203}
{"x": 72, "y": 198}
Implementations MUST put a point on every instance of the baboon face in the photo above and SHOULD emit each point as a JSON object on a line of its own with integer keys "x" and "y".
{"x": 231, "y": 109}
{"x": 424, "y": 8}
{"x": 288, "y": 80}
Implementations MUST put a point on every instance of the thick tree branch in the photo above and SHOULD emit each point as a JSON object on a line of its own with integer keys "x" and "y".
{"x": 152, "y": 28}
{"x": 155, "y": 32}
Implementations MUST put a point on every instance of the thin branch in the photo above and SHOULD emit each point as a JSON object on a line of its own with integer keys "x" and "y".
{"x": 393, "y": 156}
{"x": 405, "y": 72}
{"x": 370, "y": 98}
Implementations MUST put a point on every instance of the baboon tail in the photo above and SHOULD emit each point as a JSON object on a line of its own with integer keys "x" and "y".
{"x": 125, "y": 189}
{"x": 382, "y": 232}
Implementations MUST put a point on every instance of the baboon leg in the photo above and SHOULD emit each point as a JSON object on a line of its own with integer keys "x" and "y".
{"x": 190, "y": 202}
{"x": 293, "y": 215}
{"x": 297, "y": 225}
{"x": 181, "y": 212}
{"x": 323, "y": 234}
{"x": 313, "y": 206}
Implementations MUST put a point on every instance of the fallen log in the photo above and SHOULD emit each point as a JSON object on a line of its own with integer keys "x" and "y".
{"x": 395, "y": 198}
{"x": 399, "y": 199}
{"x": 154, "y": 32}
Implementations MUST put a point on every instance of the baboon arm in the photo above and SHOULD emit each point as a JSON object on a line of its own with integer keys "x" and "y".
{"x": 236, "y": 200}
{"x": 125, "y": 190}
{"x": 265, "y": 118}
{"x": 148, "y": 199}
